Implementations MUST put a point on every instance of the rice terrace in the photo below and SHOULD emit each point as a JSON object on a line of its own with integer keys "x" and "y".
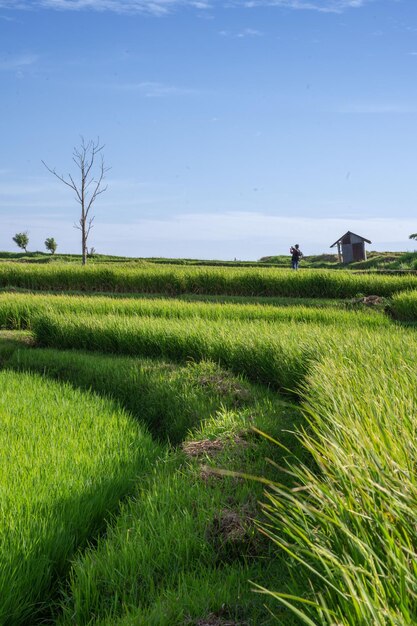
{"x": 191, "y": 444}
{"x": 208, "y": 313}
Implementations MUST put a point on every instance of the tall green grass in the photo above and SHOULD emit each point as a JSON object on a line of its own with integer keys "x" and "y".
{"x": 170, "y": 399}
{"x": 175, "y": 280}
{"x": 168, "y": 542}
{"x": 404, "y": 306}
{"x": 192, "y": 297}
{"x": 18, "y": 310}
{"x": 350, "y": 526}
{"x": 67, "y": 459}
{"x": 346, "y": 532}
{"x": 273, "y": 354}
{"x": 277, "y": 355}
{"x": 171, "y": 558}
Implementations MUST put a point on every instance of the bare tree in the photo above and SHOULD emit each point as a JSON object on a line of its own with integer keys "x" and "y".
{"x": 90, "y": 162}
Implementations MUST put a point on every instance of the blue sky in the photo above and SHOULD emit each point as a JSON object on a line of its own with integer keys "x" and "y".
{"x": 233, "y": 128}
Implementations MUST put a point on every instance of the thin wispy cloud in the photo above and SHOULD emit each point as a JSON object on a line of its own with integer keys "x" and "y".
{"x": 17, "y": 62}
{"x": 245, "y": 32}
{"x": 162, "y": 7}
{"x": 154, "y": 7}
{"x": 323, "y": 6}
{"x": 249, "y": 32}
{"x": 14, "y": 4}
{"x": 149, "y": 89}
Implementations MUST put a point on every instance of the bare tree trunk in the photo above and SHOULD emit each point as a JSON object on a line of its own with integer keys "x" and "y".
{"x": 84, "y": 158}
{"x": 83, "y": 215}
{"x": 84, "y": 247}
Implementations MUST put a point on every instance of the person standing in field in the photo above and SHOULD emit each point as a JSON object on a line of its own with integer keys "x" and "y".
{"x": 296, "y": 255}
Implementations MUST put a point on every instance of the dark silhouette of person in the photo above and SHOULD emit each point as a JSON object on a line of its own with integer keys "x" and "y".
{"x": 296, "y": 255}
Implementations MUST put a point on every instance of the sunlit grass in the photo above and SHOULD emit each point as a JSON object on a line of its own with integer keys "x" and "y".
{"x": 404, "y": 306}
{"x": 345, "y": 537}
{"x": 350, "y": 526}
{"x": 168, "y": 559}
{"x": 17, "y": 311}
{"x": 175, "y": 280}
{"x": 273, "y": 354}
{"x": 170, "y": 399}
{"x": 67, "y": 459}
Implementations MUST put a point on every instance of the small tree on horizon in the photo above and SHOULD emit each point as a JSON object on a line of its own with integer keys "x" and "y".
{"x": 89, "y": 185}
{"x": 22, "y": 240}
{"x": 51, "y": 245}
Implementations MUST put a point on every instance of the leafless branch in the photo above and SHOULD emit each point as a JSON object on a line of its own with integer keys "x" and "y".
{"x": 89, "y": 186}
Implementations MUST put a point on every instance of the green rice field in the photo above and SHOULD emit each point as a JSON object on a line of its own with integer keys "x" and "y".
{"x": 176, "y": 280}
{"x": 207, "y": 446}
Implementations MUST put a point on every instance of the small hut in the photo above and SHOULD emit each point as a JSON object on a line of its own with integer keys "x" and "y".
{"x": 351, "y": 247}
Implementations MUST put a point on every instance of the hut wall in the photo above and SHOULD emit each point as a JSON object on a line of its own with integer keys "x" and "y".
{"x": 358, "y": 250}
{"x": 347, "y": 253}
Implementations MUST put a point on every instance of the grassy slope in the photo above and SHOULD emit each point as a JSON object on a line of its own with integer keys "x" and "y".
{"x": 67, "y": 459}
{"x": 170, "y": 399}
{"x": 390, "y": 396}
{"x": 277, "y": 355}
{"x": 17, "y": 310}
{"x": 189, "y": 536}
{"x": 176, "y": 280}
{"x": 176, "y": 532}
{"x": 404, "y": 306}
{"x": 351, "y": 527}
{"x": 286, "y": 357}
{"x": 375, "y": 260}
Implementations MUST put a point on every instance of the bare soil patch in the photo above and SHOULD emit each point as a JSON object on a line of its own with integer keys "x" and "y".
{"x": 17, "y": 337}
{"x": 223, "y": 385}
{"x": 369, "y": 300}
{"x": 215, "y": 620}
{"x": 229, "y": 525}
{"x": 210, "y": 447}
{"x": 233, "y": 534}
